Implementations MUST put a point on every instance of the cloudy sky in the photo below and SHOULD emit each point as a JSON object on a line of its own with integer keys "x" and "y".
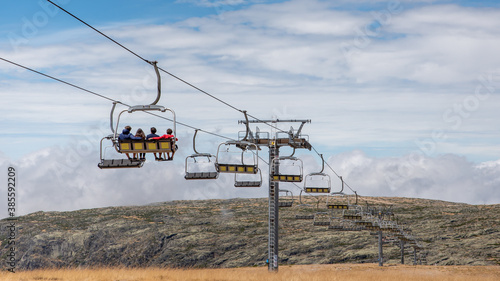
{"x": 402, "y": 95}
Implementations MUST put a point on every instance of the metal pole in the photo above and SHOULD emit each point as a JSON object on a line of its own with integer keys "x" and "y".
{"x": 273, "y": 210}
{"x": 414, "y": 256}
{"x": 380, "y": 253}
{"x": 402, "y": 245}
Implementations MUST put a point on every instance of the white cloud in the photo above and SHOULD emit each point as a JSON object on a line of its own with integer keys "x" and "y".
{"x": 444, "y": 177}
{"x": 417, "y": 75}
{"x": 61, "y": 179}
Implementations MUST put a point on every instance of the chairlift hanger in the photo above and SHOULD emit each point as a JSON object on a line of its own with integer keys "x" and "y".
{"x": 244, "y": 146}
{"x": 315, "y": 177}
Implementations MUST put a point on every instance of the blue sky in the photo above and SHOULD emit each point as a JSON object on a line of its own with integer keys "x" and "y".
{"x": 403, "y": 95}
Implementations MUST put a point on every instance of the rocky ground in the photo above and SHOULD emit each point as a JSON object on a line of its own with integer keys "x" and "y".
{"x": 233, "y": 233}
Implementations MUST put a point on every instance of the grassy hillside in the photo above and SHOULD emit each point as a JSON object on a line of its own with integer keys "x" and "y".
{"x": 233, "y": 233}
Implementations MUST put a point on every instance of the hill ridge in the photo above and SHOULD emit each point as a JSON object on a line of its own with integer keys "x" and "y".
{"x": 233, "y": 233}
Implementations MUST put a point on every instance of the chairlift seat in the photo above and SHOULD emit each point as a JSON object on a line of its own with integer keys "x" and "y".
{"x": 363, "y": 223}
{"x": 352, "y": 217}
{"x": 145, "y": 146}
{"x": 236, "y": 168}
{"x": 247, "y": 183}
{"x": 372, "y": 227}
{"x": 119, "y": 163}
{"x": 201, "y": 175}
{"x": 285, "y": 204}
{"x": 338, "y": 206}
{"x": 317, "y": 189}
{"x": 304, "y": 217}
{"x": 336, "y": 227}
{"x": 287, "y": 178}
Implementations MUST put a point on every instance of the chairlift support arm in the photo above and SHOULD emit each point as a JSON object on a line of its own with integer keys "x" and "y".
{"x": 153, "y": 63}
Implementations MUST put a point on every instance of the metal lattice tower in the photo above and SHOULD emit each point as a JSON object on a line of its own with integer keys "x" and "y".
{"x": 274, "y": 142}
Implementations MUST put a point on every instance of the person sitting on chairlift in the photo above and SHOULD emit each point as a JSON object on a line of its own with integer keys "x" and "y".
{"x": 140, "y": 133}
{"x": 151, "y": 136}
{"x": 168, "y": 136}
{"x": 127, "y": 135}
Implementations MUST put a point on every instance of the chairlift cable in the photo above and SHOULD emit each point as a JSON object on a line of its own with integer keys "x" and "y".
{"x": 167, "y": 72}
{"x": 149, "y": 62}
{"x": 330, "y": 167}
{"x": 95, "y": 29}
{"x": 107, "y": 98}
{"x": 180, "y": 123}
{"x": 56, "y": 79}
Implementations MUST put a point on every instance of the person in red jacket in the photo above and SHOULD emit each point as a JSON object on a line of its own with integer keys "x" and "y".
{"x": 168, "y": 135}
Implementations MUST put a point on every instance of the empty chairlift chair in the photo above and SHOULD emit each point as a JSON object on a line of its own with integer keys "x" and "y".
{"x": 116, "y": 163}
{"x": 318, "y": 182}
{"x": 290, "y": 169}
{"x": 285, "y": 198}
{"x": 338, "y": 200}
{"x": 200, "y": 166}
{"x": 322, "y": 219}
{"x": 237, "y": 157}
{"x": 248, "y": 180}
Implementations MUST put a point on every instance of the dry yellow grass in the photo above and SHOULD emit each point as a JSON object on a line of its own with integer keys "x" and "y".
{"x": 342, "y": 272}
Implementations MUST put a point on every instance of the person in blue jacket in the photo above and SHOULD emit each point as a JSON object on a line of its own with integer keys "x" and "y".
{"x": 154, "y": 135}
{"x": 127, "y": 135}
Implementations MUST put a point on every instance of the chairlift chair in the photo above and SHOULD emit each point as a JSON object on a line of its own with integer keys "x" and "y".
{"x": 322, "y": 219}
{"x": 290, "y": 169}
{"x": 285, "y": 198}
{"x": 318, "y": 182}
{"x": 200, "y": 166}
{"x": 116, "y": 163}
{"x": 308, "y": 207}
{"x": 237, "y": 157}
{"x": 136, "y": 146}
{"x": 248, "y": 180}
{"x": 338, "y": 200}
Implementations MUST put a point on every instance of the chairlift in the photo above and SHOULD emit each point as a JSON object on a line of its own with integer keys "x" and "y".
{"x": 308, "y": 207}
{"x": 285, "y": 198}
{"x": 338, "y": 200}
{"x": 200, "y": 166}
{"x": 239, "y": 156}
{"x": 290, "y": 169}
{"x": 336, "y": 224}
{"x": 322, "y": 219}
{"x": 248, "y": 180}
{"x": 116, "y": 163}
{"x": 136, "y": 146}
{"x": 318, "y": 182}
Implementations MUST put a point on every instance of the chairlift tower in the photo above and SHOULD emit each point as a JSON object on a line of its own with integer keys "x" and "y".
{"x": 274, "y": 142}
